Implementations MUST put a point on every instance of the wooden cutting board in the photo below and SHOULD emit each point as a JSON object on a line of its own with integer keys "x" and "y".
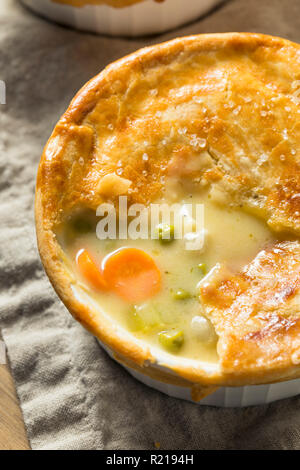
{"x": 12, "y": 430}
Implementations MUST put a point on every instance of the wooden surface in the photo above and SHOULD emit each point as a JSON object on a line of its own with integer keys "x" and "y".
{"x": 12, "y": 431}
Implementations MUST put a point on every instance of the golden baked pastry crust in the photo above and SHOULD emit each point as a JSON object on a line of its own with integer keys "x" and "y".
{"x": 256, "y": 313}
{"x": 230, "y": 102}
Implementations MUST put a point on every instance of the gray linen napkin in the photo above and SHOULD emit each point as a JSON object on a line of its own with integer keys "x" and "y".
{"x": 72, "y": 395}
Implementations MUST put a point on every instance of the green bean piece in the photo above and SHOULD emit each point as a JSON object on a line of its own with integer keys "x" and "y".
{"x": 135, "y": 322}
{"x": 203, "y": 268}
{"x": 181, "y": 294}
{"x": 165, "y": 233}
{"x": 171, "y": 340}
{"x": 81, "y": 225}
{"x": 109, "y": 244}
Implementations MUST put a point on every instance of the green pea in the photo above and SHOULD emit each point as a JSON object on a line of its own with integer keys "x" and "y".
{"x": 171, "y": 340}
{"x": 181, "y": 294}
{"x": 202, "y": 267}
{"x": 165, "y": 233}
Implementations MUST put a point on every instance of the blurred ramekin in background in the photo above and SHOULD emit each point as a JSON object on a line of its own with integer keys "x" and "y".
{"x": 122, "y": 17}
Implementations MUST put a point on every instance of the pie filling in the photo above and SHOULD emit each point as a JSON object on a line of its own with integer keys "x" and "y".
{"x": 151, "y": 286}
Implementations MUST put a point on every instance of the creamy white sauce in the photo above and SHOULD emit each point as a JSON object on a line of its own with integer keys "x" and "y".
{"x": 232, "y": 237}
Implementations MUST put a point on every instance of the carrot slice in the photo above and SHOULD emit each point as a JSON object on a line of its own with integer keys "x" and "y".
{"x": 132, "y": 274}
{"x": 89, "y": 270}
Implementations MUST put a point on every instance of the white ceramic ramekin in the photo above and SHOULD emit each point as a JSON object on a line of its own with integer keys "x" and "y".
{"x": 224, "y": 396}
{"x": 146, "y": 17}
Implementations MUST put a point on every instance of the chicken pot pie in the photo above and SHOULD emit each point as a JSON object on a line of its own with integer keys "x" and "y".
{"x": 210, "y": 121}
